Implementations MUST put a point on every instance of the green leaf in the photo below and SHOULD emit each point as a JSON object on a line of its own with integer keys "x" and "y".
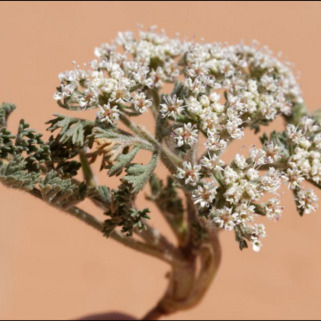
{"x": 104, "y": 193}
{"x": 5, "y": 110}
{"x": 68, "y": 169}
{"x": 54, "y": 189}
{"x": 29, "y": 141}
{"x": 6, "y": 143}
{"x": 122, "y": 161}
{"x": 138, "y": 174}
{"x": 112, "y": 134}
{"x": 13, "y": 174}
{"x": 72, "y": 130}
{"x": 123, "y": 214}
{"x": 298, "y": 111}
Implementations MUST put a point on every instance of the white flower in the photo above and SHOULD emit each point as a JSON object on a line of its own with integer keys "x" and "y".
{"x": 258, "y": 232}
{"x": 141, "y": 103}
{"x": 271, "y": 182}
{"x": 304, "y": 143}
{"x": 218, "y": 108}
{"x": 233, "y": 128}
{"x": 89, "y": 99}
{"x": 252, "y": 84}
{"x": 257, "y": 245}
{"x": 194, "y": 106}
{"x": 215, "y": 144}
{"x": 252, "y": 190}
{"x": 244, "y": 213}
{"x": 109, "y": 85}
{"x": 108, "y": 113}
{"x": 204, "y": 195}
{"x": 252, "y": 174}
{"x": 224, "y": 219}
{"x": 65, "y": 91}
{"x": 293, "y": 133}
{"x": 121, "y": 94}
{"x": 273, "y": 152}
{"x": 315, "y": 171}
{"x": 189, "y": 173}
{"x": 186, "y": 135}
{"x": 196, "y": 86}
{"x": 230, "y": 175}
{"x": 272, "y": 209}
{"x": 240, "y": 161}
{"x": 215, "y": 97}
{"x": 173, "y": 107}
{"x": 210, "y": 122}
{"x": 307, "y": 201}
{"x": 317, "y": 141}
{"x": 234, "y": 193}
{"x": 212, "y": 162}
{"x": 294, "y": 178}
{"x": 257, "y": 156}
{"x": 204, "y": 101}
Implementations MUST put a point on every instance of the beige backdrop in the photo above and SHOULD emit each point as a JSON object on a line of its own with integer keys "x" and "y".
{"x": 51, "y": 266}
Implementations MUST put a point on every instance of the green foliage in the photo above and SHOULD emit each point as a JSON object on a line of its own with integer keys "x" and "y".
{"x": 121, "y": 145}
{"x": 138, "y": 174}
{"x": 13, "y": 174}
{"x": 63, "y": 191}
{"x": 6, "y": 143}
{"x": 30, "y": 142}
{"x": 68, "y": 169}
{"x": 21, "y": 154}
{"x": 298, "y": 111}
{"x": 122, "y": 212}
{"x": 104, "y": 194}
{"x": 5, "y": 111}
{"x": 123, "y": 160}
{"x": 112, "y": 134}
{"x": 73, "y": 131}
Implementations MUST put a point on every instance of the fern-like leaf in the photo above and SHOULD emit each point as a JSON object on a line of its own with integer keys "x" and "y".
{"x": 138, "y": 174}
{"x": 14, "y": 174}
{"x": 5, "y": 110}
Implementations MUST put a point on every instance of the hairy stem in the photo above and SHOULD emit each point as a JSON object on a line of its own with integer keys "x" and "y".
{"x": 166, "y": 255}
{"x": 89, "y": 176}
{"x": 152, "y": 236}
{"x": 188, "y": 286}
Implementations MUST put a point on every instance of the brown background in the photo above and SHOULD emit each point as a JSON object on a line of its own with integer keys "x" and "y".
{"x": 53, "y": 267}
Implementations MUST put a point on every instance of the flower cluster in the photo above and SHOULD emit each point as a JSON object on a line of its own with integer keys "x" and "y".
{"x": 219, "y": 91}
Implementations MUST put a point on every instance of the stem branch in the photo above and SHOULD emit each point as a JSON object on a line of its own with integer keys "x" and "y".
{"x": 166, "y": 255}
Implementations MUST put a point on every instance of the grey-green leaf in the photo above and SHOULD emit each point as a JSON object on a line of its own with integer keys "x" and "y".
{"x": 122, "y": 161}
{"x": 138, "y": 174}
{"x": 5, "y": 110}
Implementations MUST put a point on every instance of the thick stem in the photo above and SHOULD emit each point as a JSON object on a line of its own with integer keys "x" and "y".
{"x": 187, "y": 286}
{"x": 155, "y": 238}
